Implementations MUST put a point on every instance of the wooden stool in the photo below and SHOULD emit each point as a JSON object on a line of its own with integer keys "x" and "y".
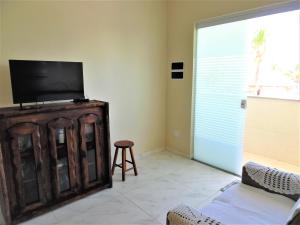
{"x": 124, "y": 145}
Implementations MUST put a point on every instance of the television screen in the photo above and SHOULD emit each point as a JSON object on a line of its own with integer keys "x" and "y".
{"x": 38, "y": 81}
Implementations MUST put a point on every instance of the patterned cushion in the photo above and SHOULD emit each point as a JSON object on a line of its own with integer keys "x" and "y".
{"x": 185, "y": 215}
{"x": 272, "y": 180}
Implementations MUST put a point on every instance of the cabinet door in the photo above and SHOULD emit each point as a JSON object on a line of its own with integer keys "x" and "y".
{"x": 27, "y": 160}
{"x": 63, "y": 157}
{"x": 91, "y": 152}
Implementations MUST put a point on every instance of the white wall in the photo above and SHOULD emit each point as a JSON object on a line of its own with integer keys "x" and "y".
{"x": 0, "y": 28}
{"x": 122, "y": 45}
{"x": 272, "y": 129}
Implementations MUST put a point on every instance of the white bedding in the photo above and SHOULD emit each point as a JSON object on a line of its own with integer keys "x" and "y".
{"x": 243, "y": 204}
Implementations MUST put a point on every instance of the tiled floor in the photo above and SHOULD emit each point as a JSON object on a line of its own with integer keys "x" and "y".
{"x": 164, "y": 181}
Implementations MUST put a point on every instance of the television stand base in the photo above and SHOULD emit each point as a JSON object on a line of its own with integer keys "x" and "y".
{"x": 28, "y": 107}
{"x": 83, "y": 100}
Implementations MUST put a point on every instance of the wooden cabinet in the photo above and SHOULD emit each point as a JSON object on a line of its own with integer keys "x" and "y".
{"x": 52, "y": 155}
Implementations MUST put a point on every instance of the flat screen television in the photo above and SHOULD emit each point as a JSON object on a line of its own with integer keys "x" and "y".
{"x": 39, "y": 81}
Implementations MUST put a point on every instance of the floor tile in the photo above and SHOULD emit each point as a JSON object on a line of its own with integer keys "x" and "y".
{"x": 165, "y": 180}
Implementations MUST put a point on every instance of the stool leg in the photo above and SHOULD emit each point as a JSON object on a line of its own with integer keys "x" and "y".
{"x": 125, "y": 166}
{"x": 123, "y": 163}
{"x": 133, "y": 162}
{"x": 115, "y": 161}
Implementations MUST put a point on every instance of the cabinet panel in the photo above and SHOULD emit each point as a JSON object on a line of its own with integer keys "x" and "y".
{"x": 63, "y": 157}
{"x": 27, "y": 165}
{"x": 91, "y": 152}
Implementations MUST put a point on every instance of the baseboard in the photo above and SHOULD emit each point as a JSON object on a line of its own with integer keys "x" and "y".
{"x": 177, "y": 152}
{"x": 140, "y": 155}
{"x": 149, "y": 152}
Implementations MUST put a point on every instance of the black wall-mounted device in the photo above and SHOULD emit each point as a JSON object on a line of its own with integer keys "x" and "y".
{"x": 177, "y": 70}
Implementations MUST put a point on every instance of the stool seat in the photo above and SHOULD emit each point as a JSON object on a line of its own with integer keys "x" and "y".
{"x": 124, "y": 144}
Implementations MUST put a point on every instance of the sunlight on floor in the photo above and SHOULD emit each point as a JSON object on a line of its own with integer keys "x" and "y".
{"x": 270, "y": 162}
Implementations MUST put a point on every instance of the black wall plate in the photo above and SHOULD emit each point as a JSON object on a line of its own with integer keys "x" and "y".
{"x": 177, "y": 66}
{"x": 177, "y": 75}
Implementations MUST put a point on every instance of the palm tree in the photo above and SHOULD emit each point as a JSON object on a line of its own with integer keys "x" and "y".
{"x": 259, "y": 46}
{"x": 294, "y": 74}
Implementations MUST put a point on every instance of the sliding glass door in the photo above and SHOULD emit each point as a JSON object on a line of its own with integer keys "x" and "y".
{"x": 219, "y": 95}
{"x": 236, "y": 54}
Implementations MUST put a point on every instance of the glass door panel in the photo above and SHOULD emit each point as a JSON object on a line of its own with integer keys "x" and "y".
{"x": 62, "y": 159}
{"x": 220, "y": 88}
{"x": 29, "y": 171}
{"x": 28, "y": 165}
{"x": 63, "y": 155}
{"x": 91, "y": 151}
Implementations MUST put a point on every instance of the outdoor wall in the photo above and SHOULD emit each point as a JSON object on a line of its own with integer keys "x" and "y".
{"x": 122, "y": 45}
{"x": 182, "y": 16}
{"x": 273, "y": 129}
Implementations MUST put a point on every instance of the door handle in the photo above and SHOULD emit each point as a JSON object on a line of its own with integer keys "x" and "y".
{"x": 243, "y": 103}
